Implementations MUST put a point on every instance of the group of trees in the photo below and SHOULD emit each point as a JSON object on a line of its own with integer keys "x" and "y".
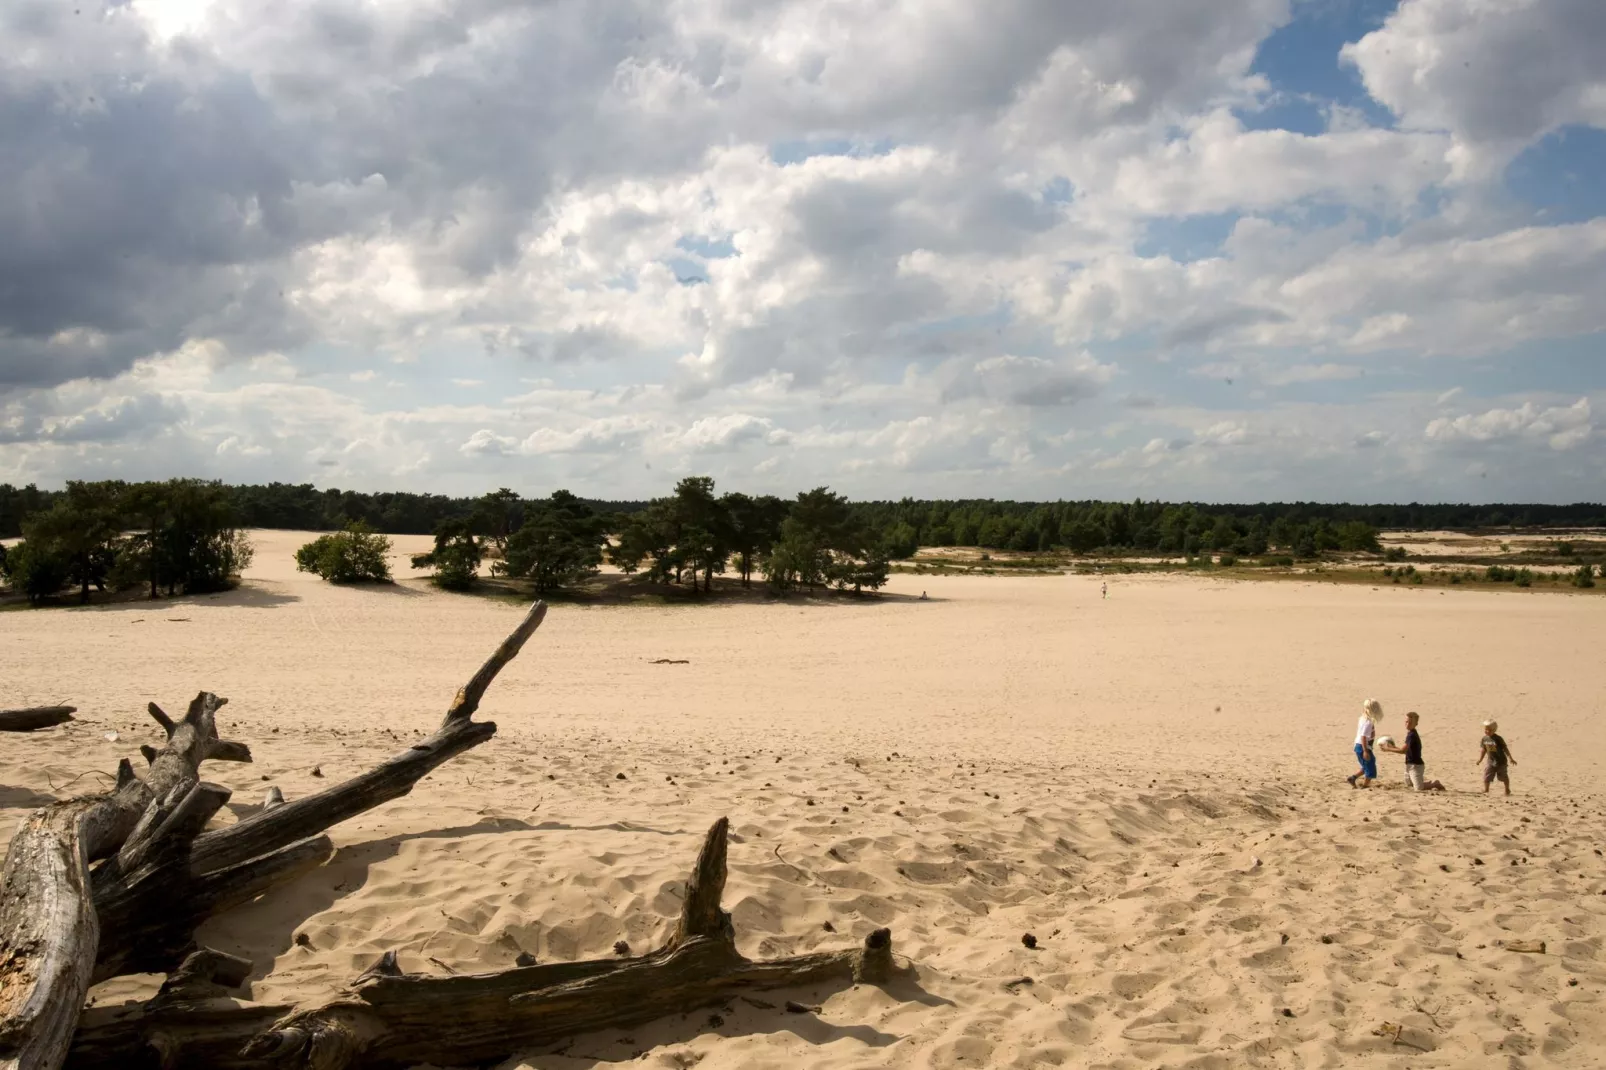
{"x": 687, "y": 537}
{"x": 181, "y": 536}
{"x": 816, "y": 540}
{"x": 1136, "y": 527}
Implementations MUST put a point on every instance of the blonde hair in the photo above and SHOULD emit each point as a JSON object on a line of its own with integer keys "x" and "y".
{"x": 1372, "y": 710}
{"x": 1492, "y": 724}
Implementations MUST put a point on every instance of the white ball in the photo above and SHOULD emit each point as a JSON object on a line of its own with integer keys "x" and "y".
{"x": 1385, "y": 741}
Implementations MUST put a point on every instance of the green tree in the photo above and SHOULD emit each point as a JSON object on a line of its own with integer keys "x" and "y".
{"x": 356, "y": 555}
{"x": 649, "y": 536}
{"x": 496, "y": 516}
{"x": 198, "y": 547}
{"x": 36, "y": 570}
{"x": 703, "y": 529}
{"x": 797, "y": 558}
{"x": 900, "y": 542}
{"x": 81, "y": 529}
{"x": 754, "y": 525}
{"x": 456, "y": 557}
{"x": 559, "y": 543}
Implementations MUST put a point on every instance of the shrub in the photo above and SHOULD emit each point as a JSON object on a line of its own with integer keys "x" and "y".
{"x": 1565, "y": 549}
{"x": 34, "y": 570}
{"x": 1282, "y": 560}
{"x": 1585, "y": 576}
{"x": 1455, "y": 577}
{"x": 1227, "y": 560}
{"x": 1388, "y": 570}
{"x": 1394, "y": 553}
{"x": 355, "y": 555}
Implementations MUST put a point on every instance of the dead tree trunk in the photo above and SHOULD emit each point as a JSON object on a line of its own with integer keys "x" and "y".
{"x": 165, "y": 878}
{"x": 49, "y": 932}
{"x": 33, "y": 717}
{"x": 391, "y": 1020}
{"x": 153, "y": 909}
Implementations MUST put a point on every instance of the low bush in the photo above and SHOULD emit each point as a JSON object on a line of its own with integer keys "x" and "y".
{"x": 355, "y": 555}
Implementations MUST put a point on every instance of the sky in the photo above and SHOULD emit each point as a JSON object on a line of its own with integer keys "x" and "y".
{"x": 1208, "y": 250}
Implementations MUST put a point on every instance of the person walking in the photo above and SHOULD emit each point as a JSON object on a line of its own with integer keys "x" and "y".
{"x": 1495, "y": 755}
{"x": 1365, "y": 734}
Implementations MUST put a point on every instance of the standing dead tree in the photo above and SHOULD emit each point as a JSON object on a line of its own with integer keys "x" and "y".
{"x": 62, "y": 926}
{"x": 390, "y": 1020}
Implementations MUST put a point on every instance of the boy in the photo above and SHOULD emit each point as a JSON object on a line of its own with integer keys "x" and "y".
{"x": 1416, "y": 772}
{"x": 1495, "y": 755}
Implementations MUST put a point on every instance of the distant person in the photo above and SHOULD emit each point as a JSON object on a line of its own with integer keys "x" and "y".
{"x": 1365, "y": 733}
{"x": 1104, "y": 589}
{"x": 1494, "y": 756}
{"x": 1416, "y": 772}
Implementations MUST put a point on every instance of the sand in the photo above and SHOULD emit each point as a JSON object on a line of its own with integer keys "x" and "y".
{"x": 1152, "y": 785}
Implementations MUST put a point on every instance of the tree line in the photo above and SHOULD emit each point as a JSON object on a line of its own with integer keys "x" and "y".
{"x": 181, "y": 536}
{"x": 687, "y": 537}
{"x": 1110, "y": 525}
{"x": 184, "y": 535}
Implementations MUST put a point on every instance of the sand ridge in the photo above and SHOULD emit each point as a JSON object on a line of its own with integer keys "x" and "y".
{"x": 1149, "y": 785}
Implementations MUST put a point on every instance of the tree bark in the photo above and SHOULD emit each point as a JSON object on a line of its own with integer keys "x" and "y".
{"x": 153, "y": 909}
{"x": 49, "y": 931}
{"x": 390, "y": 1020}
{"x": 34, "y": 717}
{"x": 161, "y": 878}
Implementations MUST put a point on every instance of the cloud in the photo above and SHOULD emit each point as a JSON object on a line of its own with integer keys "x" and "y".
{"x": 1496, "y": 75}
{"x": 1562, "y": 427}
{"x": 917, "y": 248}
{"x": 717, "y": 434}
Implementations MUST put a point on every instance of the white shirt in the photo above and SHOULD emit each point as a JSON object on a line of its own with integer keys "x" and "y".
{"x": 1365, "y": 732}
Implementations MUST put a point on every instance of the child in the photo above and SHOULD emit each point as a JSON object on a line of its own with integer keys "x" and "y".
{"x": 1416, "y": 772}
{"x": 1495, "y": 755}
{"x": 1365, "y": 733}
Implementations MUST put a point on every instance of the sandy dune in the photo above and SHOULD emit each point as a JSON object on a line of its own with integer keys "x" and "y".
{"x": 1152, "y": 785}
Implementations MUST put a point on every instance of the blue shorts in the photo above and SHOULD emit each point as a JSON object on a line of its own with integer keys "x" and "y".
{"x": 1368, "y": 765}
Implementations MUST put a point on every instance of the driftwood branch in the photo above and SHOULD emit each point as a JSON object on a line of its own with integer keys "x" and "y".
{"x": 280, "y": 825}
{"x": 61, "y": 926}
{"x": 153, "y": 908}
{"x": 390, "y": 1019}
{"x": 49, "y": 930}
{"x": 35, "y": 717}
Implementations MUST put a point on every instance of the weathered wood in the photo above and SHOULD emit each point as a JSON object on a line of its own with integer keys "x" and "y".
{"x": 217, "y": 750}
{"x": 392, "y": 1020}
{"x": 149, "y": 916}
{"x": 49, "y": 930}
{"x": 191, "y": 1022}
{"x": 35, "y": 717}
{"x": 154, "y": 897}
{"x": 274, "y": 827}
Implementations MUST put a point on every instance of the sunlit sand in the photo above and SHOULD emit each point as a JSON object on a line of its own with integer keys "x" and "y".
{"x": 1152, "y": 785}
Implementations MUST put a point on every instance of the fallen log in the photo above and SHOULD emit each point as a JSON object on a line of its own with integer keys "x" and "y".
{"x": 191, "y": 1022}
{"x": 152, "y": 910}
{"x": 49, "y": 930}
{"x": 390, "y": 1020}
{"x": 162, "y": 878}
{"x": 35, "y": 717}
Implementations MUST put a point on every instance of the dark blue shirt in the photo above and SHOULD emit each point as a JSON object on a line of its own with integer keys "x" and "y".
{"x": 1413, "y": 747}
